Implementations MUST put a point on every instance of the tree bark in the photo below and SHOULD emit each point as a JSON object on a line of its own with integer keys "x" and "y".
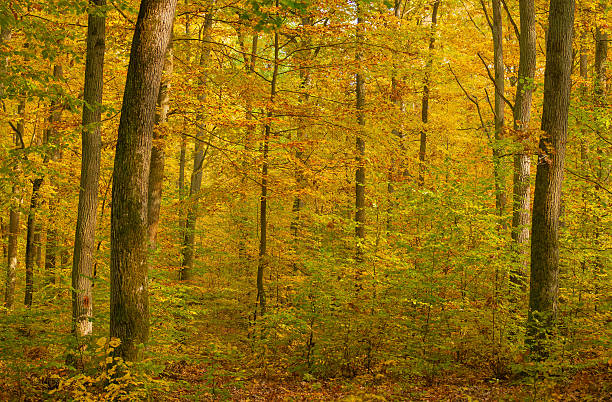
{"x": 30, "y": 256}
{"x": 498, "y": 61}
{"x": 129, "y": 294}
{"x": 425, "y": 97}
{"x": 198, "y": 161}
{"x": 84, "y": 239}
{"x": 13, "y": 236}
{"x": 156, "y": 174}
{"x": 544, "y": 281}
{"x": 521, "y": 197}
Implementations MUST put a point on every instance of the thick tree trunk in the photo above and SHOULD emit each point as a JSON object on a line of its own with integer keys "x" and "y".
{"x": 129, "y": 293}
{"x": 360, "y": 173}
{"x": 521, "y": 197}
{"x": 198, "y": 161}
{"x": 544, "y": 281}
{"x": 158, "y": 157}
{"x": 84, "y": 240}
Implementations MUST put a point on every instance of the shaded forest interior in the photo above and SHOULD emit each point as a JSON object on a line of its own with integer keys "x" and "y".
{"x": 305, "y": 200}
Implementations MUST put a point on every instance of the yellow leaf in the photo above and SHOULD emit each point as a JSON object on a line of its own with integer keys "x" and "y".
{"x": 101, "y": 341}
{"x": 114, "y": 342}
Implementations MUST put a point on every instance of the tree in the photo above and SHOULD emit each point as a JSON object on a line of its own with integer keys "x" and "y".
{"x": 198, "y": 162}
{"x": 360, "y": 212}
{"x": 544, "y": 281}
{"x": 14, "y": 215}
{"x": 522, "y": 160}
{"x": 425, "y": 97}
{"x": 129, "y": 294}
{"x": 84, "y": 238}
{"x": 498, "y": 61}
{"x": 156, "y": 174}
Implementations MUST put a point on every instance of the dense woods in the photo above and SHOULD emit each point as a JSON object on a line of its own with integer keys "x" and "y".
{"x": 305, "y": 199}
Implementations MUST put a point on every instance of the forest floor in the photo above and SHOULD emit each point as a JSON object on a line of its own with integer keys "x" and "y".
{"x": 193, "y": 382}
{"x": 589, "y": 384}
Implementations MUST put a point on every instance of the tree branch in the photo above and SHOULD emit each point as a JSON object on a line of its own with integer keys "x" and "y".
{"x": 510, "y": 105}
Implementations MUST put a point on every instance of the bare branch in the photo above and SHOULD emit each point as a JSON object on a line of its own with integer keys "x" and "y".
{"x": 516, "y": 30}
{"x": 510, "y": 105}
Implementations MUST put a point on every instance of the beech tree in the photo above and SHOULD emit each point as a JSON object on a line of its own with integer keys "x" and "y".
{"x": 129, "y": 301}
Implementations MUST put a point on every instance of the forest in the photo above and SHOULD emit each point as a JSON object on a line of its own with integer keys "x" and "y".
{"x": 286, "y": 200}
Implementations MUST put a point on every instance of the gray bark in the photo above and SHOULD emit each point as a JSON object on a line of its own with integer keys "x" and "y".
{"x": 83, "y": 263}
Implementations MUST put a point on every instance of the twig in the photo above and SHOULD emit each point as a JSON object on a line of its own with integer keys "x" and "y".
{"x": 472, "y": 99}
{"x": 510, "y": 105}
{"x": 585, "y": 178}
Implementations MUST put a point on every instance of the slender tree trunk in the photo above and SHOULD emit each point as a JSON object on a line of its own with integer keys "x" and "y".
{"x": 498, "y": 61}
{"x": 156, "y": 174}
{"x": 263, "y": 200}
{"x": 83, "y": 264}
{"x": 425, "y": 97}
{"x": 198, "y": 161}
{"x": 360, "y": 174}
{"x": 11, "y": 272}
{"x": 30, "y": 256}
{"x": 298, "y": 202}
{"x": 521, "y": 197}
{"x": 129, "y": 293}
{"x": 243, "y": 219}
{"x": 544, "y": 281}
{"x": 601, "y": 57}
{"x": 183, "y": 152}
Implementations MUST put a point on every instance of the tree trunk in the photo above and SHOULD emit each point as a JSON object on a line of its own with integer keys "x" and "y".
{"x": 263, "y": 200}
{"x": 521, "y": 197}
{"x": 11, "y": 271}
{"x": 360, "y": 212}
{"x": 156, "y": 174}
{"x": 183, "y": 151}
{"x": 84, "y": 240}
{"x": 544, "y": 281}
{"x": 498, "y": 61}
{"x": 425, "y": 97}
{"x": 601, "y": 56}
{"x": 129, "y": 293}
{"x": 198, "y": 161}
{"x": 30, "y": 256}
{"x": 298, "y": 202}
